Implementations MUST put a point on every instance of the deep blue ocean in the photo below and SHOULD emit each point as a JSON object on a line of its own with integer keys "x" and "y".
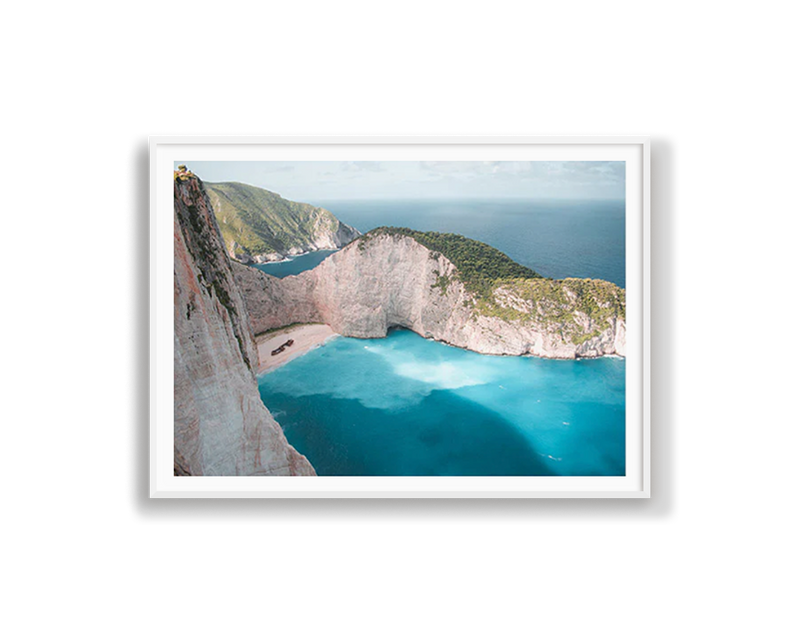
{"x": 295, "y": 265}
{"x": 556, "y": 238}
{"x": 403, "y": 405}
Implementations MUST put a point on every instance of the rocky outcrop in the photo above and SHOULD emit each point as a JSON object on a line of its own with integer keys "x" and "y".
{"x": 260, "y": 226}
{"x": 221, "y": 425}
{"x": 387, "y": 281}
{"x": 326, "y": 235}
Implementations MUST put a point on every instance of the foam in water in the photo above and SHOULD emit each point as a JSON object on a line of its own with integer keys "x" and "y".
{"x": 404, "y": 405}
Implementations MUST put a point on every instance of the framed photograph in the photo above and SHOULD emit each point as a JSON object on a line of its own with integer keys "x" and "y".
{"x": 399, "y": 317}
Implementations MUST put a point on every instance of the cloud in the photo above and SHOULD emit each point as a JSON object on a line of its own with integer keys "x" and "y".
{"x": 306, "y": 180}
{"x": 452, "y": 170}
{"x": 460, "y": 167}
{"x": 362, "y": 165}
{"x": 486, "y": 167}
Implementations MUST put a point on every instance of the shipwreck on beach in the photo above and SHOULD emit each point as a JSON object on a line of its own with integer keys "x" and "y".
{"x": 281, "y": 349}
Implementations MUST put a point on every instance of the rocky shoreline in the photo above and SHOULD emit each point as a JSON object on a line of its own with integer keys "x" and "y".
{"x": 259, "y": 226}
{"x": 376, "y": 282}
{"x": 270, "y": 258}
{"x": 394, "y": 281}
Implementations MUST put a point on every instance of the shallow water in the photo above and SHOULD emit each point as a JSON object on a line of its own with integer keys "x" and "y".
{"x": 404, "y": 405}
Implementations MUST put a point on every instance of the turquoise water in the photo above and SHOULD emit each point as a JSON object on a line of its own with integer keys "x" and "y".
{"x": 404, "y": 405}
{"x": 295, "y": 265}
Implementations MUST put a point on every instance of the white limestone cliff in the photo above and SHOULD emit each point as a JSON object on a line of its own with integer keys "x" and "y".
{"x": 394, "y": 281}
{"x": 221, "y": 425}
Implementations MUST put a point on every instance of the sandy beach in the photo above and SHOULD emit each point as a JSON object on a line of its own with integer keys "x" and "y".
{"x": 305, "y": 336}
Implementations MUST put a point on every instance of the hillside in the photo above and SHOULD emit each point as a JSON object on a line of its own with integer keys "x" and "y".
{"x": 446, "y": 287}
{"x": 478, "y": 264}
{"x": 260, "y": 226}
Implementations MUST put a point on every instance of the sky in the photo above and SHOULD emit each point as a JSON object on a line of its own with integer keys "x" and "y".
{"x": 327, "y": 180}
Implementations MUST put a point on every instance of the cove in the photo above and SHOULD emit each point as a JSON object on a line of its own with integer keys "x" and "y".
{"x": 407, "y": 406}
{"x": 296, "y": 265}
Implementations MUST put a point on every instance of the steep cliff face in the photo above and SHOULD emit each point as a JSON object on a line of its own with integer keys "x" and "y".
{"x": 260, "y": 226}
{"x": 385, "y": 280}
{"x": 221, "y": 425}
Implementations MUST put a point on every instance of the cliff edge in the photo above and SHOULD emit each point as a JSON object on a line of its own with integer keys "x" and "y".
{"x": 390, "y": 278}
{"x": 259, "y": 226}
{"x": 221, "y": 425}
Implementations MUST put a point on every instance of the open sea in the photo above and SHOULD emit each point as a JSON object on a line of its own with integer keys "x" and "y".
{"x": 404, "y": 405}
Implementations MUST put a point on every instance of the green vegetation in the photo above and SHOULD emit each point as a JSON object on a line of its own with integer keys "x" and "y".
{"x": 260, "y": 221}
{"x": 182, "y": 174}
{"x": 441, "y": 283}
{"x": 576, "y": 308}
{"x": 285, "y": 328}
{"x": 479, "y": 265}
{"x": 561, "y": 305}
